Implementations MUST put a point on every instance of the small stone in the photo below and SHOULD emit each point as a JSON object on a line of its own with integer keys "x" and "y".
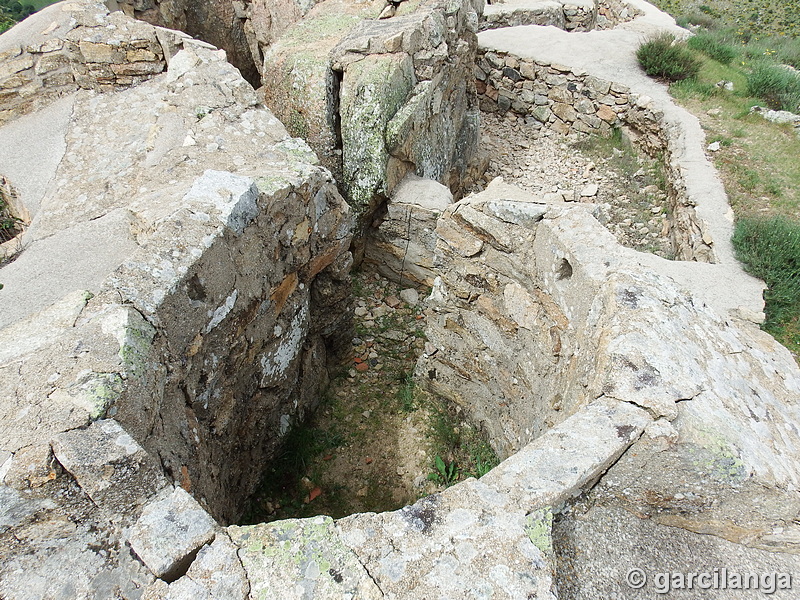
{"x": 410, "y": 296}
{"x": 362, "y": 367}
{"x": 590, "y": 190}
{"x": 713, "y": 146}
{"x": 361, "y": 311}
{"x": 392, "y": 301}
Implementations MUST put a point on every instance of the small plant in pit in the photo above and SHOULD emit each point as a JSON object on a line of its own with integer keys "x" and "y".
{"x": 666, "y": 58}
{"x": 446, "y": 473}
{"x": 460, "y": 450}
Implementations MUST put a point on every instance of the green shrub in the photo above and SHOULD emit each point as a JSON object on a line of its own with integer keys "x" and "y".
{"x": 6, "y": 23}
{"x": 777, "y": 86}
{"x": 770, "y": 249}
{"x": 666, "y": 58}
{"x": 711, "y": 46}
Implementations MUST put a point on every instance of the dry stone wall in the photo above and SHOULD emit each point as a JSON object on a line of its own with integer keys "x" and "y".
{"x": 183, "y": 288}
{"x": 67, "y": 48}
{"x": 222, "y": 23}
{"x": 570, "y": 15}
{"x": 569, "y": 100}
{"x": 537, "y": 314}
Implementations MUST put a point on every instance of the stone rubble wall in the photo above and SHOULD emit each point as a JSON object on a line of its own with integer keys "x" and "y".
{"x": 210, "y": 256}
{"x": 569, "y": 15}
{"x": 367, "y": 94}
{"x": 568, "y": 100}
{"x": 69, "y": 48}
{"x": 224, "y": 23}
{"x": 537, "y": 313}
{"x": 529, "y": 321}
{"x": 611, "y": 13}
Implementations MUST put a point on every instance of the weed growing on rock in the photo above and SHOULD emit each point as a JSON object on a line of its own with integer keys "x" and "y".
{"x": 9, "y": 224}
{"x": 666, "y": 58}
{"x": 446, "y": 473}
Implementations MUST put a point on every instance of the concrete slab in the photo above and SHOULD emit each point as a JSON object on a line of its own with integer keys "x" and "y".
{"x": 31, "y": 148}
{"x": 75, "y": 259}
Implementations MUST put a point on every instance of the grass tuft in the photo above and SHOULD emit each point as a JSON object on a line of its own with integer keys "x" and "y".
{"x": 770, "y": 250}
{"x": 712, "y": 46}
{"x": 666, "y": 58}
{"x": 777, "y": 86}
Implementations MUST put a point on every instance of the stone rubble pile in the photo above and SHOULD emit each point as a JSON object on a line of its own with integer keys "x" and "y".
{"x": 633, "y": 208}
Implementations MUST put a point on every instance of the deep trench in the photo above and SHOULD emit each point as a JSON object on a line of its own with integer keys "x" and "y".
{"x": 377, "y": 441}
{"x": 372, "y": 444}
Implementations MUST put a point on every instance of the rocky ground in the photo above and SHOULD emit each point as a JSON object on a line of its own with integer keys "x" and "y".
{"x": 630, "y": 188}
{"x": 374, "y": 442}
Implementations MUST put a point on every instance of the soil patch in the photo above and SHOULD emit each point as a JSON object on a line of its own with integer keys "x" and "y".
{"x": 377, "y": 442}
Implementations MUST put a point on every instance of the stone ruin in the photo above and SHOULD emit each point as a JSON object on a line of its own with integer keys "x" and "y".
{"x": 181, "y": 290}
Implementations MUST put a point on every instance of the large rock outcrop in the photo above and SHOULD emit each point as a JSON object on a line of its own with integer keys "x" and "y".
{"x": 182, "y": 288}
{"x": 370, "y": 95}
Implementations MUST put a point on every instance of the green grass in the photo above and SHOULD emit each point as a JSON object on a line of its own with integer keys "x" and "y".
{"x": 6, "y": 23}
{"x": 751, "y": 17}
{"x": 713, "y": 47}
{"x": 770, "y": 250}
{"x": 40, "y": 4}
{"x": 758, "y": 160}
{"x": 777, "y": 86}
